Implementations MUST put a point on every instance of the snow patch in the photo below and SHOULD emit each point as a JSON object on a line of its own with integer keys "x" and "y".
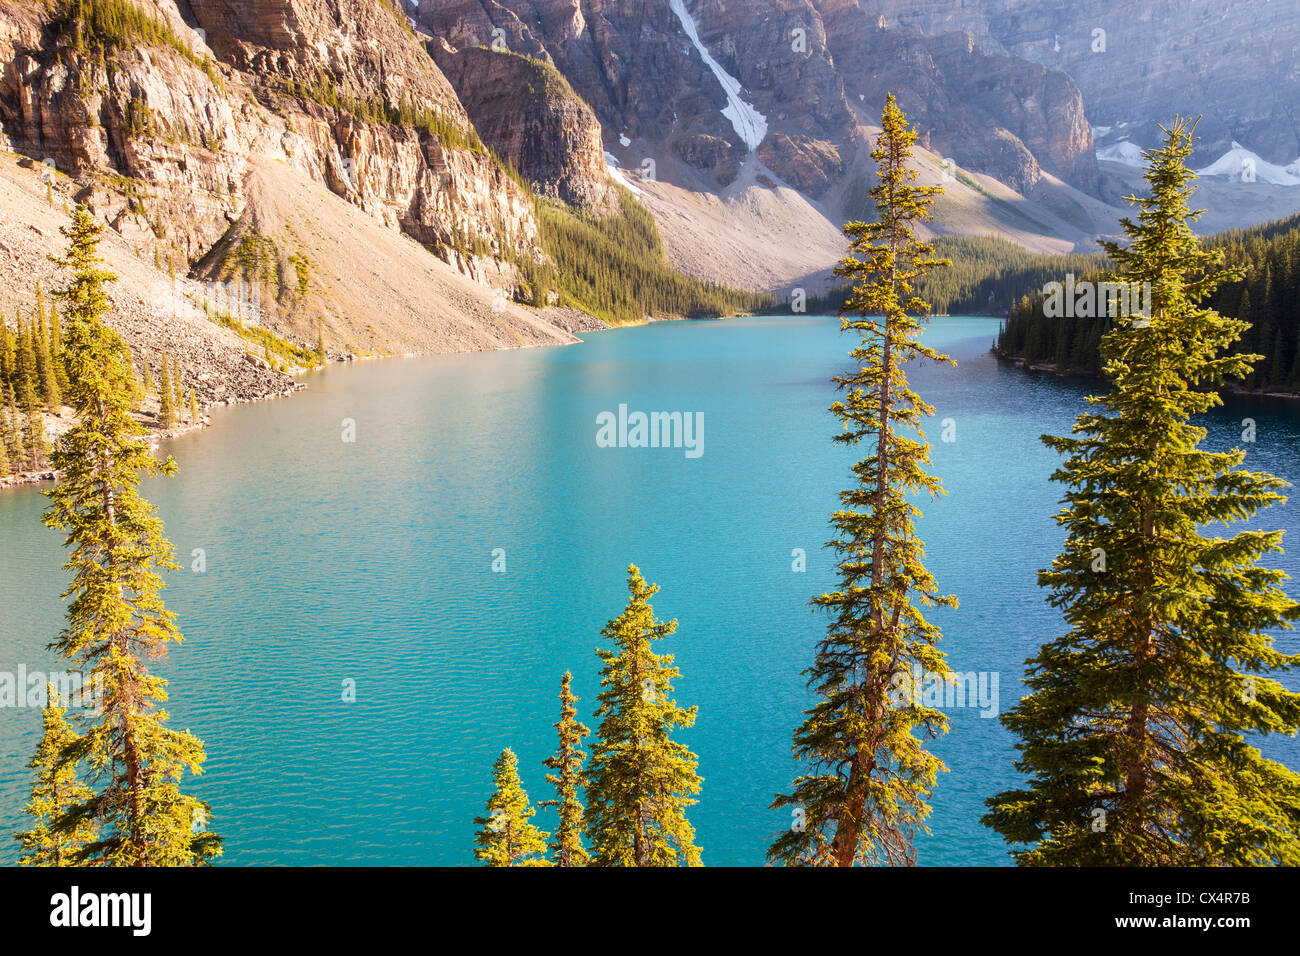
{"x": 616, "y": 174}
{"x": 1126, "y": 152}
{"x": 750, "y": 124}
{"x": 624, "y": 141}
{"x": 1244, "y": 165}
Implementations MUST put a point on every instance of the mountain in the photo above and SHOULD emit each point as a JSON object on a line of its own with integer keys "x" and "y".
{"x": 388, "y": 174}
{"x": 1139, "y": 63}
{"x": 309, "y": 153}
{"x": 761, "y": 112}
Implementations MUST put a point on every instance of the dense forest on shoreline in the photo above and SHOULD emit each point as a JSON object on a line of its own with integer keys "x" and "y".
{"x": 1267, "y": 296}
{"x": 991, "y": 276}
{"x": 988, "y": 276}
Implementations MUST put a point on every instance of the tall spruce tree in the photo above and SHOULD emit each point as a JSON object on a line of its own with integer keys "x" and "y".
{"x": 166, "y": 397}
{"x": 8, "y": 353}
{"x": 507, "y": 836}
{"x": 178, "y": 383}
{"x": 13, "y": 432}
{"x": 566, "y": 842}
{"x": 1132, "y": 735}
{"x": 5, "y": 441}
{"x": 35, "y": 440}
{"x": 870, "y": 776}
{"x": 116, "y": 618}
{"x": 58, "y": 835}
{"x": 51, "y": 394}
{"x": 56, "y": 350}
{"x": 639, "y": 780}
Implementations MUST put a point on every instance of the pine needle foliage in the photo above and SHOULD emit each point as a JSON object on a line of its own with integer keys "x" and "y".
{"x": 870, "y": 776}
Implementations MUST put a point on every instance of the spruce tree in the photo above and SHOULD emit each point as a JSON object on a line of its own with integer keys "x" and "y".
{"x": 8, "y": 353}
{"x": 56, "y": 350}
{"x": 566, "y": 842}
{"x": 1133, "y": 733}
{"x": 13, "y": 433}
{"x": 178, "y": 382}
{"x": 166, "y": 397}
{"x": 51, "y": 395}
{"x": 58, "y": 835}
{"x": 6, "y": 441}
{"x": 640, "y": 781}
{"x": 506, "y": 835}
{"x": 35, "y": 442}
{"x": 870, "y": 776}
{"x": 116, "y": 617}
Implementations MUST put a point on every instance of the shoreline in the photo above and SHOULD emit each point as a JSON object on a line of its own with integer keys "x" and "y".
{"x": 1050, "y": 368}
{"x": 153, "y": 435}
{"x": 588, "y": 324}
{"x": 569, "y": 321}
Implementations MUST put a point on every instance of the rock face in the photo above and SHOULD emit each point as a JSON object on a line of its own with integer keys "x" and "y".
{"x": 1138, "y": 64}
{"x": 992, "y": 113}
{"x": 338, "y": 89}
{"x": 526, "y": 111}
{"x": 161, "y": 125}
{"x": 816, "y": 70}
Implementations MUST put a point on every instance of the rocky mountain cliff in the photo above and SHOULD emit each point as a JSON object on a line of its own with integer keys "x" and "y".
{"x": 207, "y": 134}
{"x": 815, "y": 72}
{"x": 262, "y": 143}
{"x": 1138, "y": 62}
{"x": 527, "y": 111}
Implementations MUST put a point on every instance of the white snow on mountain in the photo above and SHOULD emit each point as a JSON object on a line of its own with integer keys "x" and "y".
{"x": 617, "y": 174}
{"x": 1238, "y": 163}
{"x": 750, "y": 124}
{"x": 1126, "y": 152}
{"x": 1244, "y": 165}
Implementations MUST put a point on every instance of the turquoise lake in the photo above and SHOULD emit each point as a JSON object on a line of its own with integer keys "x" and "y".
{"x": 371, "y": 561}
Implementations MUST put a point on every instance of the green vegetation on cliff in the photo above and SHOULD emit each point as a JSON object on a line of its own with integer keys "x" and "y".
{"x": 614, "y": 268}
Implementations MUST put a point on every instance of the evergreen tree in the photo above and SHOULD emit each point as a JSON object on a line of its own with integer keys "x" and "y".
{"x": 56, "y": 350}
{"x": 8, "y": 354}
{"x": 6, "y": 440}
{"x": 640, "y": 780}
{"x": 34, "y": 437}
{"x": 321, "y": 355}
{"x": 1133, "y": 733}
{"x": 50, "y": 392}
{"x": 13, "y": 432}
{"x": 194, "y": 407}
{"x": 506, "y": 837}
{"x": 866, "y": 792}
{"x": 566, "y": 843}
{"x": 57, "y": 836}
{"x": 166, "y": 397}
{"x": 116, "y": 618}
{"x": 178, "y": 381}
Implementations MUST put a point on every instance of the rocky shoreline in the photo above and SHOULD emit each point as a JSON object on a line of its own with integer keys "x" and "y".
{"x": 153, "y": 433}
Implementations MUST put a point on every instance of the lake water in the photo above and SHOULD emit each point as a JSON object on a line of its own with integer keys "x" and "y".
{"x": 371, "y": 562}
